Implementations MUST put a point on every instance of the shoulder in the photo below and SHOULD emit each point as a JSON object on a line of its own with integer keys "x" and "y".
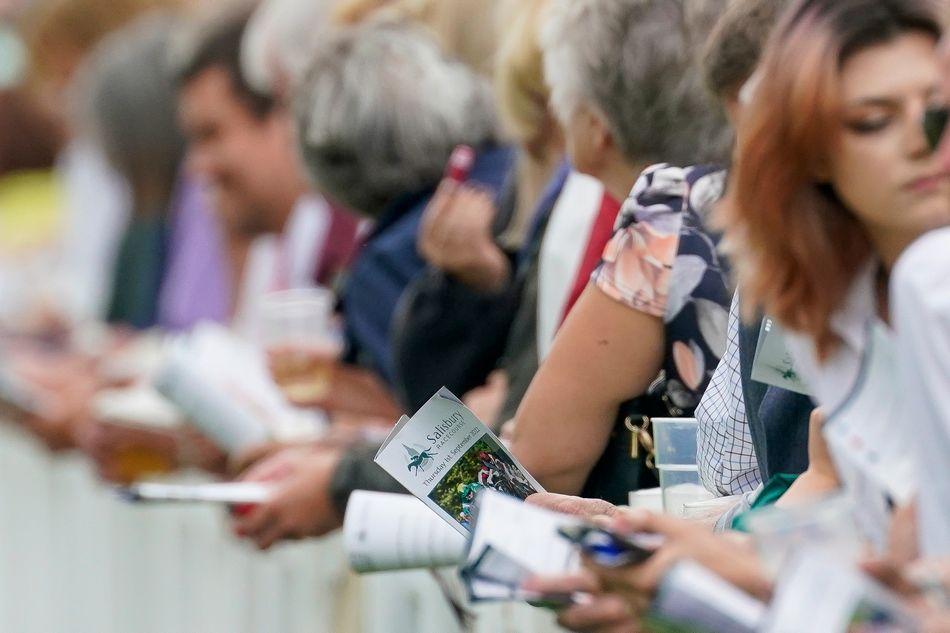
{"x": 664, "y": 192}
{"x": 660, "y": 256}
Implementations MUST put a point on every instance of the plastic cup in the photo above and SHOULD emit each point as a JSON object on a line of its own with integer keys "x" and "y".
{"x": 297, "y": 332}
{"x": 675, "y": 442}
{"x": 647, "y": 498}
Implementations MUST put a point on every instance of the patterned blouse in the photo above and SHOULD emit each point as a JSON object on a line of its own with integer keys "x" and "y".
{"x": 662, "y": 260}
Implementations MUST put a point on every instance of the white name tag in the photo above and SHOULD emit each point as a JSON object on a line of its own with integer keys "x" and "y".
{"x": 773, "y": 364}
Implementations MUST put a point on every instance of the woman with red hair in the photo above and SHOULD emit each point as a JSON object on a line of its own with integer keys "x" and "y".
{"x": 834, "y": 179}
{"x": 834, "y": 184}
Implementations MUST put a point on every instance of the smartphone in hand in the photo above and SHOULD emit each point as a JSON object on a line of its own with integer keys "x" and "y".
{"x": 609, "y": 549}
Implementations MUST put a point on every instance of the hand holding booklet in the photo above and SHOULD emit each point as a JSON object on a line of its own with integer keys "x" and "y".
{"x": 510, "y": 542}
{"x": 445, "y": 456}
{"x": 513, "y": 541}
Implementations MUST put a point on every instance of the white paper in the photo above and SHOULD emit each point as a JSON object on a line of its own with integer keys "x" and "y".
{"x": 874, "y": 457}
{"x": 228, "y": 492}
{"x": 524, "y": 532}
{"x": 385, "y": 531}
{"x": 779, "y": 533}
{"x": 513, "y": 541}
{"x": 819, "y": 593}
{"x": 222, "y": 384}
{"x": 208, "y": 407}
{"x": 773, "y": 363}
{"x": 693, "y": 595}
{"x": 445, "y": 456}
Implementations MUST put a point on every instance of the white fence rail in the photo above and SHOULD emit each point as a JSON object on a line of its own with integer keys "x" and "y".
{"x": 74, "y": 559}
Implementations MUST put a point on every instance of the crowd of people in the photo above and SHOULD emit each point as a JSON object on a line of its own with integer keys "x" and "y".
{"x": 574, "y": 214}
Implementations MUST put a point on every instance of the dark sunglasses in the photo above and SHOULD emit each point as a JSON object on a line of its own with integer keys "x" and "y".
{"x": 935, "y": 124}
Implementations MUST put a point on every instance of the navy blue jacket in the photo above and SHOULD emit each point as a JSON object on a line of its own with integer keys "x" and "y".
{"x": 388, "y": 262}
{"x": 778, "y": 418}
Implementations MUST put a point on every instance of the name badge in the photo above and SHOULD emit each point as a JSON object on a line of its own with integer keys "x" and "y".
{"x": 773, "y": 363}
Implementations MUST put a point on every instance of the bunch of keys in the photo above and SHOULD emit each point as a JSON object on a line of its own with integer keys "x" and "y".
{"x": 641, "y": 437}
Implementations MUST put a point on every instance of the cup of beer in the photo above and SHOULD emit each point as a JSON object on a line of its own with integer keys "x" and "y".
{"x": 301, "y": 342}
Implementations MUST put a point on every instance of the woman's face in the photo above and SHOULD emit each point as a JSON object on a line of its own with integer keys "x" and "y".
{"x": 881, "y": 166}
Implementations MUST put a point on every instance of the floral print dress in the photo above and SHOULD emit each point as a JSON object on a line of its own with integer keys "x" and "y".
{"x": 662, "y": 260}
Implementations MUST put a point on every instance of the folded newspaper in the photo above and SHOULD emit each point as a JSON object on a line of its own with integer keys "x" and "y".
{"x": 444, "y": 455}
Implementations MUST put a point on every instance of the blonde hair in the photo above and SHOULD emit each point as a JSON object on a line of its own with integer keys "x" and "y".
{"x": 465, "y": 29}
{"x": 520, "y": 90}
{"x": 349, "y": 12}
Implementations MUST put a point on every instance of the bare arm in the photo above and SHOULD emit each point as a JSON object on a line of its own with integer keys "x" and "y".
{"x": 821, "y": 477}
{"x": 604, "y": 354}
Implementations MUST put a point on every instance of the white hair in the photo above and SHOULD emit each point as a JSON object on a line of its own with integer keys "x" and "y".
{"x": 380, "y": 111}
{"x": 280, "y": 39}
{"x": 636, "y": 63}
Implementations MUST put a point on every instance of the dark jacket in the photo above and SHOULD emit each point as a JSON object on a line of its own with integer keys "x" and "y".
{"x": 388, "y": 263}
{"x": 778, "y": 419}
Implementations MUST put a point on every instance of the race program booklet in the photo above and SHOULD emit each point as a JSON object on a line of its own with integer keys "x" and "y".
{"x": 222, "y": 385}
{"x": 444, "y": 455}
{"x": 228, "y": 493}
{"x": 512, "y": 541}
{"x": 383, "y": 531}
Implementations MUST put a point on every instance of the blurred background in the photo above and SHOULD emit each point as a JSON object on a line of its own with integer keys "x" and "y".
{"x": 119, "y": 228}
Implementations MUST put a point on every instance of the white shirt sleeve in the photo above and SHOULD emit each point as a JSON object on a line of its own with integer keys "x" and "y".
{"x": 725, "y": 453}
{"x": 920, "y": 311}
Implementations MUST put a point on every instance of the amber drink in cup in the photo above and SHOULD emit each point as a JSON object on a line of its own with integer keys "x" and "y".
{"x": 301, "y": 343}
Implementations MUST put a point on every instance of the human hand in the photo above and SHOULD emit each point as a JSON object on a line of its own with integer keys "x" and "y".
{"x": 735, "y": 562}
{"x": 124, "y": 453}
{"x": 600, "y": 613}
{"x": 300, "y": 505}
{"x": 821, "y": 476}
{"x": 487, "y": 401}
{"x": 923, "y": 584}
{"x": 576, "y": 506}
{"x": 62, "y": 410}
{"x": 335, "y": 387}
{"x": 456, "y": 236}
{"x": 248, "y": 458}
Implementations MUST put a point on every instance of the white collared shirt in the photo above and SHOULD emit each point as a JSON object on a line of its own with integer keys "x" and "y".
{"x": 920, "y": 309}
{"x": 859, "y": 392}
{"x": 562, "y": 251}
{"x": 283, "y": 262}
